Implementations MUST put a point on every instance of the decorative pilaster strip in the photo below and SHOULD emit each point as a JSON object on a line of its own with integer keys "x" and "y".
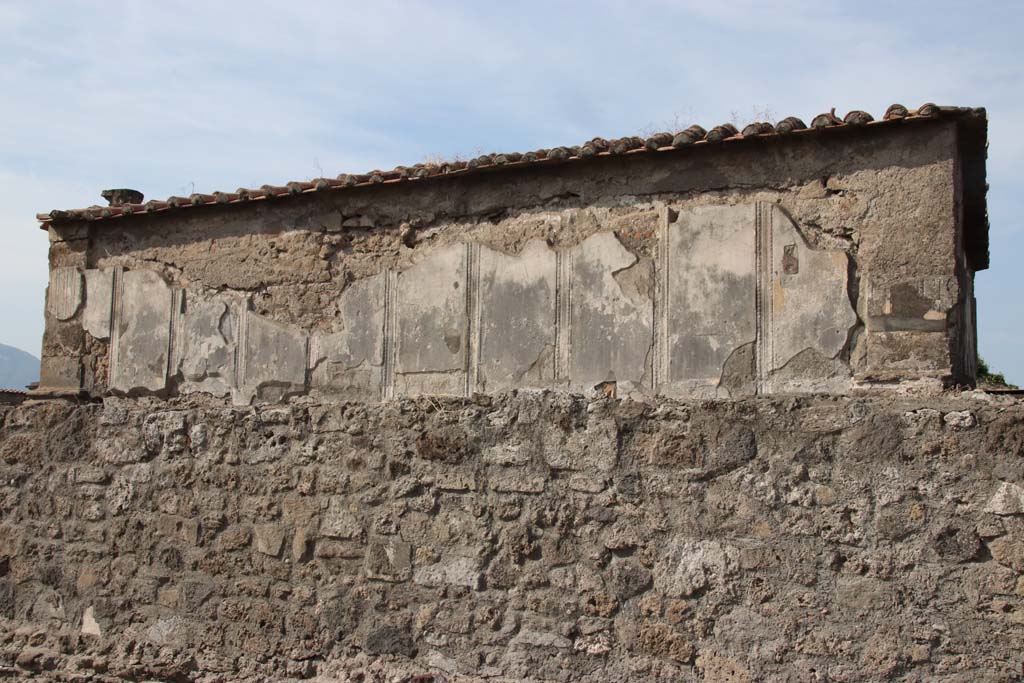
{"x": 763, "y": 297}
{"x": 312, "y": 354}
{"x": 662, "y": 301}
{"x": 307, "y": 375}
{"x": 563, "y": 313}
{"x": 473, "y": 317}
{"x": 176, "y": 332}
{"x": 64, "y": 294}
{"x": 116, "y": 299}
{"x": 241, "y": 348}
{"x": 387, "y": 378}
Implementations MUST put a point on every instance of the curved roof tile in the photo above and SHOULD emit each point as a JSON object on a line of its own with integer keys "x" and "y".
{"x": 655, "y": 144}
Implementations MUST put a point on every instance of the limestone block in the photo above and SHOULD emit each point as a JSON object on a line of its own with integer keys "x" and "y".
{"x": 458, "y": 571}
{"x": 350, "y": 361}
{"x": 960, "y": 419}
{"x": 517, "y": 318}
{"x": 432, "y": 328}
{"x": 533, "y": 639}
{"x": 99, "y": 296}
{"x": 506, "y": 454}
{"x": 517, "y": 482}
{"x": 90, "y": 627}
{"x": 864, "y": 592}
{"x": 269, "y": 539}
{"x": 1007, "y": 500}
{"x": 302, "y": 540}
{"x": 612, "y": 313}
{"x": 691, "y": 566}
{"x": 810, "y": 312}
{"x": 595, "y": 448}
{"x": 340, "y": 522}
{"x": 1008, "y": 551}
{"x": 208, "y": 345}
{"x": 234, "y": 537}
{"x": 389, "y": 561}
{"x": 64, "y": 295}
{"x": 595, "y": 644}
{"x": 273, "y": 359}
{"x": 141, "y": 332}
{"x": 709, "y": 299}
{"x": 449, "y": 480}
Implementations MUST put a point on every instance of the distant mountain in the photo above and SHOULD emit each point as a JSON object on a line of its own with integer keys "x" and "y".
{"x": 17, "y": 368}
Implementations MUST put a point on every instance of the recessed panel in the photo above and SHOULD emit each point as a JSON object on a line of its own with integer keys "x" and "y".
{"x": 710, "y": 303}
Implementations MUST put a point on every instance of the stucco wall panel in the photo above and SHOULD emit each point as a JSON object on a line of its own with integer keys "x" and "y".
{"x": 876, "y": 202}
{"x": 273, "y": 359}
{"x": 612, "y": 310}
{"x": 517, "y": 318}
{"x": 810, "y": 314}
{"x": 143, "y": 309}
{"x": 431, "y": 332}
{"x": 207, "y": 359}
{"x": 350, "y": 362}
{"x": 710, "y": 297}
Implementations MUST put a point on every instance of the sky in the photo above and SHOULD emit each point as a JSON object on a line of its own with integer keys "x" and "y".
{"x": 172, "y": 97}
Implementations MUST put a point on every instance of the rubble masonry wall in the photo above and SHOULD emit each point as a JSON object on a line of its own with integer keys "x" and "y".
{"x": 524, "y": 536}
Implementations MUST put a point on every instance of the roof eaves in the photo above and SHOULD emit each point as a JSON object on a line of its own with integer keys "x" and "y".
{"x": 694, "y": 136}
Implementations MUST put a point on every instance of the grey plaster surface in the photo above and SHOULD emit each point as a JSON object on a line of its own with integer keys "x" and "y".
{"x": 274, "y": 359}
{"x": 743, "y": 302}
{"x": 142, "y": 329}
{"x": 517, "y": 318}
{"x": 99, "y": 293}
{"x": 432, "y": 324}
{"x": 879, "y": 201}
{"x": 209, "y": 344}
{"x": 612, "y": 309}
{"x": 710, "y": 298}
{"x": 718, "y": 275}
{"x": 350, "y": 362}
{"x": 64, "y": 295}
{"x": 811, "y": 313}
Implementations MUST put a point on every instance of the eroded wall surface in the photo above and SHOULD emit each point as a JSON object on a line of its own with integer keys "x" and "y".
{"x": 782, "y": 269}
{"x": 777, "y": 270}
{"x": 735, "y": 296}
{"x": 527, "y": 536}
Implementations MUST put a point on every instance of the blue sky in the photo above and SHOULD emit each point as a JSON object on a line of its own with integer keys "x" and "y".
{"x": 168, "y": 97}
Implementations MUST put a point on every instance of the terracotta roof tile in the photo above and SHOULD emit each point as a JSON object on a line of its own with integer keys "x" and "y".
{"x": 826, "y": 120}
{"x": 655, "y": 144}
{"x": 896, "y": 111}
{"x": 789, "y": 124}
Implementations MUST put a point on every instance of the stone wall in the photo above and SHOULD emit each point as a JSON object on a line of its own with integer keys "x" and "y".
{"x": 751, "y": 269}
{"x": 526, "y": 536}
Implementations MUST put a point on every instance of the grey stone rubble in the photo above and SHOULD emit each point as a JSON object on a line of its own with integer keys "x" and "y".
{"x": 526, "y": 536}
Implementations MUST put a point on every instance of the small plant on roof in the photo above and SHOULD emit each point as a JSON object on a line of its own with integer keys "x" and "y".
{"x": 991, "y": 379}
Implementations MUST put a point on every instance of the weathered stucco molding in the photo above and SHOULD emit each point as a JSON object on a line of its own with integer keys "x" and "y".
{"x": 831, "y": 264}
{"x": 736, "y": 302}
